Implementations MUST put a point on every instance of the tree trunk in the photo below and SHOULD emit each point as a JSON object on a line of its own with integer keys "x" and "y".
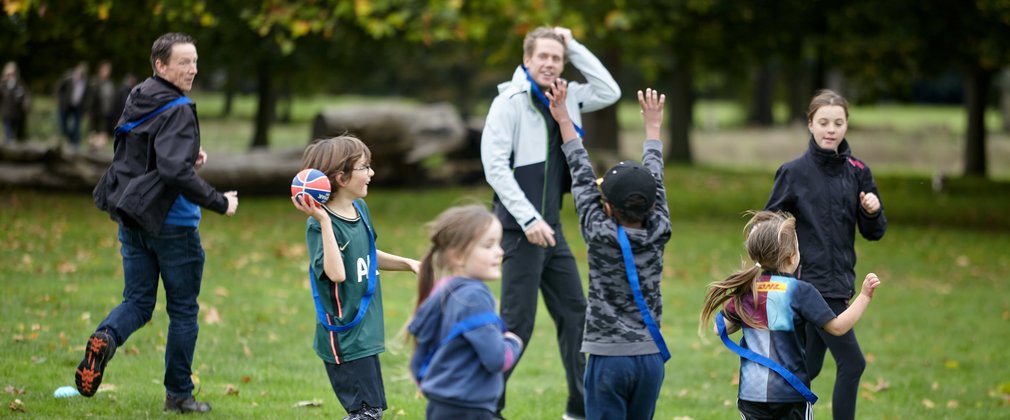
{"x": 681, "y": 102}
{"x": 601, "y": 127}
{"x": 230, "y": 86}
{"x": 266, "y": 105}
{"x": 764, "y": 95}
{"x": 799, "y": 89}
{"x": 976, "y": 94}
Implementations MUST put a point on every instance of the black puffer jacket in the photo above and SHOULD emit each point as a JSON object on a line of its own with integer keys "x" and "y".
{"x": 821, "y": 189}
{"x": 167, "y": 144}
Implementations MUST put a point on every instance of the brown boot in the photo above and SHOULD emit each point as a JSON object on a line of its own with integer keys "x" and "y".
{"x": 185, "y": 405}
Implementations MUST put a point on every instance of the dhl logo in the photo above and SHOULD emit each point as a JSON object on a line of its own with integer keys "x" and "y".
{"x": 771, "y": 286}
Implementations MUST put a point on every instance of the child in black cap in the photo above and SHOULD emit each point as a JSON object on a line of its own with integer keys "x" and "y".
{"x": 630, "y": 224}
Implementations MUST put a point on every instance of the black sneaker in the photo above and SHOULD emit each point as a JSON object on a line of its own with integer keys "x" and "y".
{"x": 101, "y": 346}
{"x": 185, "y": 405}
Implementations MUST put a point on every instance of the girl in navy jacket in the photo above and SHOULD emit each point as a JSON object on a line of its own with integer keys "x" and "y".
{"x": 831, "y": 194}
{"x": 462, "y": 348}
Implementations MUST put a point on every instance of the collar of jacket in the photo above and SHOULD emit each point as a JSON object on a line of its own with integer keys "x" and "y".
{"x": 831, "y": 160}
{"x": 169, "y": 85}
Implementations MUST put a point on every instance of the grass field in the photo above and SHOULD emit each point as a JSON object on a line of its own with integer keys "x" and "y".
{"x": 935, "y": 336}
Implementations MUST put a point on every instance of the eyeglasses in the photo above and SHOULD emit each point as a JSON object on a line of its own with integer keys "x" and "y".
{"x": 365, "y": 168}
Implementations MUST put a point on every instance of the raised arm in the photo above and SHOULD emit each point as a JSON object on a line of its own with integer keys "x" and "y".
{"x": 651, "y": 103}
{"x": 601, "y": 90}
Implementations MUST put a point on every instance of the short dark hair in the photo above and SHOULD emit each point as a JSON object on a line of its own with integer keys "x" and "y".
{"x": 162, "y": 48}
{"x": 636, "y": 210}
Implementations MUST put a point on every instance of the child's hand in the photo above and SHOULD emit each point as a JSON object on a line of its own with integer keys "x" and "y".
{"x": 652, "y": 103}
{"x": 870, "y": 283}
{"x": 512, "y": 336}
{"x": 310, "y": 207}
{"x": 557, "y": 94}
{"x": 869, "y": 201}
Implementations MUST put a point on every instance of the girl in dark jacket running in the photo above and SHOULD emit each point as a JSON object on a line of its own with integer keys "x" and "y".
{"x": 831, "y": 194}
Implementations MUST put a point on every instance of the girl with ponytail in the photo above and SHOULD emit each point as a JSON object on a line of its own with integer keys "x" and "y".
{"x": 767, "y": 301}
{"x": 462, "y": 346}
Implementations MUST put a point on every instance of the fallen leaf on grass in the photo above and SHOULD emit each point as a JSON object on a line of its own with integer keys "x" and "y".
{"x": 107, "y": 387}
{"x": 313, "y": 403}
{"x": 221, "y": 292}
{"x": 928, "y": 403}
{"x": 952, "y": 404}
{"x": 876, "y": 387}
{"x": 211, "y": 316}
{"x": 1004, "y": 388}
{"x": 17, "y": 405}
{"x": 245, "y": 379}
{"x": 230, "y": 390}
{"x": 10, "y": 389}
{"x": 66, "y": 267}
{"x": 951, "y": 364}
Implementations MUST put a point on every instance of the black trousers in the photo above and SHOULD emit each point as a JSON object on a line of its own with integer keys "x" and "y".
{"x": 528, "y": 269}
{"x": 848, "y": 360}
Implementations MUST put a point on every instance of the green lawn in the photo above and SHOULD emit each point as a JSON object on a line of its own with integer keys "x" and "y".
{"x": 935, "y": 336}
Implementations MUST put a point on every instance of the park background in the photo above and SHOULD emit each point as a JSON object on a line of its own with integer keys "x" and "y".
{"x": 926, "y": 80}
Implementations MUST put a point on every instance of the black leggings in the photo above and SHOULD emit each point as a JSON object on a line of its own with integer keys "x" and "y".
{"x": 848, "y": 359}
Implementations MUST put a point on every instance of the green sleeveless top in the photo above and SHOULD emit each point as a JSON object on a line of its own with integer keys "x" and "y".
{"x": 341, "y": 300}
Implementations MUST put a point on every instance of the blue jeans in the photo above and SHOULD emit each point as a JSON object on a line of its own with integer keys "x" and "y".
{"x": 177, "y": 256}
{"x": 623, "y": 387}
{"x": 70, "y": 124}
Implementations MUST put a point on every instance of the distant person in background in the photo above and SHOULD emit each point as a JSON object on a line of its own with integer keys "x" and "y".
{"x": 15, "y": 101}
{"x": 71, "y": 95}
{"x": 122, "y": 93}
{"x": 102, "y": 106}
{"x": 831, "y": 194}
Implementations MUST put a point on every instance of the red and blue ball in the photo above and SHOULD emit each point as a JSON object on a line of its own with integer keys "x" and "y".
{"x": 311, "y": 182}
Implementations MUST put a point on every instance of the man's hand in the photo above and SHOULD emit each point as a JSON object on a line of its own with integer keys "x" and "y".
{"x": 564, "y": 33}
{"x": 201, "y": 159}
{"x": 232, "y": 197}
{"x": 870, "y": 202}
{"x": 540, "y": 234}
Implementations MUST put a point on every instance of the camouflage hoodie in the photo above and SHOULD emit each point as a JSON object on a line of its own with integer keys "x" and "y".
{"x": 614, "y": 327}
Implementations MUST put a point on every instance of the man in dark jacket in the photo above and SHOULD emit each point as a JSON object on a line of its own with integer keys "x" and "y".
{"x": 165, "y": 147}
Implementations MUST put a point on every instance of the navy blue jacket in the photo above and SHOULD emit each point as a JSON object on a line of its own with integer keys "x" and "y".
{"x": 468, "y": 370}
{"x": 821, "y": 189}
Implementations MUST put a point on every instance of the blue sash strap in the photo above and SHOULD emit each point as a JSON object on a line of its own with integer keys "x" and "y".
{"x": 365, "y": 299}
{"x": 543, "y": 98}
{"x": 764, "y": 361}
{"x": 636, "y": 290}
{"x": 468, "y": 324}
{"x": 127, "y": 126}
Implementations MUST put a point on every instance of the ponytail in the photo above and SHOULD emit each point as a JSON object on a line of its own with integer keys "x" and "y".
{"x": 425, "y": 278}
{"x": 732, "y": 288}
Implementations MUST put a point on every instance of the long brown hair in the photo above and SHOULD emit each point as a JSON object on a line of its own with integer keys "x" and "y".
{"x": 452, "y": 233}
{"x": 826, "y": 97}
{"x": 770, "y": 240}
{"x": 335, "y": 156}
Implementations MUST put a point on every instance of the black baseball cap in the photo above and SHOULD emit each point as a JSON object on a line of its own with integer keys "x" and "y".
{"x": 626, "y": 179}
